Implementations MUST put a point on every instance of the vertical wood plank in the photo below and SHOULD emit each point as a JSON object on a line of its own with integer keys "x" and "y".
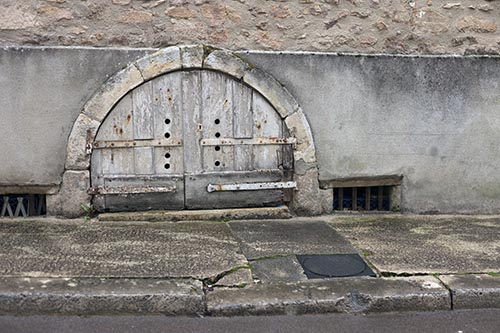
{"x": 217, "y": 120}
{"x": 118, "y": 125}
{"x": 191, "y": 108}
{"x": 118, "y": 161}
{"x": 143, "y": 111}
{"x": 267, "y": 123}
{"x": 167, "y": 107}
{"x": 143, "y": 159}
{"x": 243, "y": 125}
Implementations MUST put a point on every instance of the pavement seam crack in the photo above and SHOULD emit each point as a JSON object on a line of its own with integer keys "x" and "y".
{"x": 452, "y": 300}
{"x": 210, "y": 282}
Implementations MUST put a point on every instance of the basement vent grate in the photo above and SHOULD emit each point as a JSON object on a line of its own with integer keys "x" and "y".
{"x": 372, "y": 198}
{"x": 22, "y": 205}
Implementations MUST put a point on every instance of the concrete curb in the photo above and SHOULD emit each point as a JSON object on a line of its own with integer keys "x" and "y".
{"x": 90, "y": 296}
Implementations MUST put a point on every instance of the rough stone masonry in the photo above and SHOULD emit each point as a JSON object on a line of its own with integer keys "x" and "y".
{"x": 362, "y": 26}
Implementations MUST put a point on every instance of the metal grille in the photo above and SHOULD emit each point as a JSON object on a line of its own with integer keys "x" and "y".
{"x": 362, "y": 198}
{"x": 22, "y": 205}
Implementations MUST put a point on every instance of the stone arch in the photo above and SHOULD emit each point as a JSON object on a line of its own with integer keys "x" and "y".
{"x": 76, "y": 181}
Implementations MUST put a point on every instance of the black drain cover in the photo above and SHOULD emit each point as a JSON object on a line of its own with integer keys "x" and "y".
{"x": 334, "y": 265}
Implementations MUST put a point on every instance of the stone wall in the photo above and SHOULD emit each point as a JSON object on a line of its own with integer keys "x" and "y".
{"x": 366, "y": 26}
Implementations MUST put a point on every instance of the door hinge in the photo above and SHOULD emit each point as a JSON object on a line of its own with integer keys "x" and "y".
{"x": 251, "y": 186}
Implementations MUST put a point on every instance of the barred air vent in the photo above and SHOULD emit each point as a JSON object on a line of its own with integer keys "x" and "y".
{"x": 22, "y": 205}
{"x": 362, "y": 198}
{"x": 376, "y": 193}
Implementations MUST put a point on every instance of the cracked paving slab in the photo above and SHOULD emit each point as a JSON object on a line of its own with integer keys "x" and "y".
{"x": 425, "y": 244}
{"x": 271, "y": 238}
{"x": 135, "y": 250}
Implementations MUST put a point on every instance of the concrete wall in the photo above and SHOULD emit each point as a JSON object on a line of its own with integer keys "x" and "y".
{"x": 367, "y": 26}
{"x": 433, "y": 119}
{"x": 42, "y": 91}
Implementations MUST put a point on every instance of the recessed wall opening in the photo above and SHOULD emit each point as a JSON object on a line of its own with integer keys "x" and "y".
{"x": 22, "y": 205}
{"x": 376, "y": 193}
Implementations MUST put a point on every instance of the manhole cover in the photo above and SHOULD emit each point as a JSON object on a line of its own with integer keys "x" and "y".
{"x": 335, "y": 265}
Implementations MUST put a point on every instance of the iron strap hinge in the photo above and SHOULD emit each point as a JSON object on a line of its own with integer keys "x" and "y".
{"x": 251, "y": 186}
{"x": 131, "y": 189}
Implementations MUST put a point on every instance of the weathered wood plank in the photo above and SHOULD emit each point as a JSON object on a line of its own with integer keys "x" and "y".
{"x": 148, "y": 201}
{"x": 143, "y": 111}
{"x": 243, "y": 125}
{"x": 118, "y": 125}
{"x": 117, "y": 161}
{"x": 191, "y": 108}
{"x": 197, "y": 196}
{"x": 217, "y": 119}
{"x": 267, "y": 123}
{"x": 143, "y": 161}
{"x": 169, "y": 160}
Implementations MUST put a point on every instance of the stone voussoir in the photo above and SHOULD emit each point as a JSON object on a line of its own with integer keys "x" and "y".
{"x": 299, "y": 128}
{"x": 77, "y": 157}
{"x": 473, "y": 291}
{"x": 349, "y": 295}
{"x": 272, "y": 90}
{"x": 90, "y": 296}
{"x": 192, "y": 56}
{"x": 115, "y": 88}
{"x": 227, "y": 62}
{"x": 161, "y": 62}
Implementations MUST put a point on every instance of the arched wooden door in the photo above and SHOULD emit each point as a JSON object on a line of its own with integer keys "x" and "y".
{"x": 191, "y": 140}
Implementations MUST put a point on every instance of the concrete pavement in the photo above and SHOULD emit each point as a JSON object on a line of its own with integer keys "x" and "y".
{"x": 227, "y": 268}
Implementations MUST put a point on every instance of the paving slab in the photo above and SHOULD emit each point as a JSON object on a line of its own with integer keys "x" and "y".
{"x": 281, "y": 269}
{"x": 425, "y": 244}
{"x": 348, "y": 295}
{"x": 473, "y": 291}
{"x": 270, "y": 238}
{"x": 112, "y": 249}
{"x": 23, "y": 296}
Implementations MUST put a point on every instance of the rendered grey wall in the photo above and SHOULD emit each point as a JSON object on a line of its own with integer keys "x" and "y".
{"x": 435, "y": 120}
{"x": 42, "y": 91}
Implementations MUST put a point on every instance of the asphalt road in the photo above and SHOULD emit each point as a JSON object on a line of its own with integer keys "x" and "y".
{"x": 443, "y": 321}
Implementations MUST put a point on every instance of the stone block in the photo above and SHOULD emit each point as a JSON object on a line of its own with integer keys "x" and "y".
{"x": 77, "y": 157}
{"x": 473, "y": 291}
{"x": 272, "y": 90}
{"x": 160, "y": 62}
{"x": 72, "y": 194}
{"x": 192, "y": 56}
{"x": 227, "y": 62}
{"x": 115, "y": 88}
{"x": 344, "y": 295}
{"x": 307, "y": 198}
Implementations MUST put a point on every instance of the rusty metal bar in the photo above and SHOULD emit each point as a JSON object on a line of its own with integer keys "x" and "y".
{"x": 341, "y": 198}
{"x": 251, "y": 186}
{"x": 131, "y": 189}
{"x": 137, "y": 143}
{"x": 354, "y": 196}
{"x": 252, "y": 141}
{"x": 380, "y": 197}
{"x": 367, "y": 198}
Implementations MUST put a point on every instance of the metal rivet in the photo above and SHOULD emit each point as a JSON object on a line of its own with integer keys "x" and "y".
{"x": 217, "y": 148}
{"x": 217, "y": 163}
